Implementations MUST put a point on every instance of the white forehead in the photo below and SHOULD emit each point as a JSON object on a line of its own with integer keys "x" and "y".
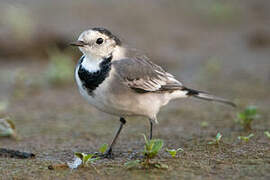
{"x": 89, "y": 35}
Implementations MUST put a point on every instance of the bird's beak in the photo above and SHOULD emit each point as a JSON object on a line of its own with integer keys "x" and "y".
{"x": 77, "y": 43}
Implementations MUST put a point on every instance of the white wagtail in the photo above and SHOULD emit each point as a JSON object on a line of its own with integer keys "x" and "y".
{"x": 119, "y": 81}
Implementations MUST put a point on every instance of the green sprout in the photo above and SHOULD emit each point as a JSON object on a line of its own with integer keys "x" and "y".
{"x": 83, "y": 159}
{"x": 86, "y": 158}
{"x": 152, "y": 147}
{"x": 173, "y": 152}
{"x": 247, "y": 116}
{"x": 103, "y": 148}
{"x": 267, "y": 133}
{"x": 245, "y": 138}
{"x": 217, "y": 140}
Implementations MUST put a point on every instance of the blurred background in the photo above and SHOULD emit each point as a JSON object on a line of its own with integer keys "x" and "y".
{"x": 220, "y": 46}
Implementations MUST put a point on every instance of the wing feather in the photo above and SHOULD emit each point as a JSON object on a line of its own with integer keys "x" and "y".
{"x": 143, "y": 75}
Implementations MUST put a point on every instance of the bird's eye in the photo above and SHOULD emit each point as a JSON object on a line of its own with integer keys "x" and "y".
{"x": 99, "y": 41}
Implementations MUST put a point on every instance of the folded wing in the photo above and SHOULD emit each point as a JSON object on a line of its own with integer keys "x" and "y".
{"x": 144, "y": 76}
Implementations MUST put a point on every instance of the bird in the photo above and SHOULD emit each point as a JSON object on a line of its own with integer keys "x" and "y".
{"x": 121, "y": 81}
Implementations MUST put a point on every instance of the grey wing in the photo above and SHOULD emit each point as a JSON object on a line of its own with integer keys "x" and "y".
{"x": 142, "y": 75}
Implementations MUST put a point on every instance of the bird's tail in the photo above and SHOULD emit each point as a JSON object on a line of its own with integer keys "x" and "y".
{"x": 206, "y": 96}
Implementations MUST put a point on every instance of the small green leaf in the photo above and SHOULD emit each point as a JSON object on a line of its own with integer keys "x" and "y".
{"x": 251, "y": 135}
{"x": 79, "y": 155}
{"x": 157, "y": 145}
{"x": 173, "y": 152}
{"x": 245, "y": 138}
{"x": 103, "y": 148}
{"x": 87, "y": 157}
{"x": 267, "y": 133}
{"x": 216, "y": 141}
{"x": 251, "y": 110}
{"x": 161, "y": 165}
{"x": 152, "y": 147}
{"x": 145, "y": 139}
{"x": 218, "y": 137}
{"x": 91, "y": 160}
{"x": 245, "y": 117}
{"x": 132, "y": 164}
{"x": 179, "y": 149}
{"x": 241, "y": 116}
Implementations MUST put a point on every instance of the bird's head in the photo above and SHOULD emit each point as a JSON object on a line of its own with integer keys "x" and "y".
{"x": 97, "y": 43}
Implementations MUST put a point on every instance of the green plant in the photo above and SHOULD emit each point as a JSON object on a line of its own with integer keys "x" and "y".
{"x": 82, "y": 160}
{"x": 247, "y": 116}
{"x": 173, "y": 152}
{"x": 245, "y": 138}
{"x": 103, "y": 148}
{"x": 267, "y": 133}
{"x": 152, "y": 147}
{"x": 86, "y": 158}
{"x": 217, "y": 139}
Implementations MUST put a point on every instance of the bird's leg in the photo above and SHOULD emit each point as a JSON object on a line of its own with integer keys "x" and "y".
{"x": 151, "y": 129}
{"x": 109, "y": 151}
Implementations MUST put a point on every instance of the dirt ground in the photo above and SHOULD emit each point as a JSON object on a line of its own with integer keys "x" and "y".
{"x": 220, "y": 47}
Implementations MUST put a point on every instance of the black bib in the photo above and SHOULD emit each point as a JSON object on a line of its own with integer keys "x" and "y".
{"x": 91, "y": 80}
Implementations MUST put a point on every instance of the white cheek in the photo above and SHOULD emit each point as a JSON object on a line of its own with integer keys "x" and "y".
{"x": 85, "y": 49}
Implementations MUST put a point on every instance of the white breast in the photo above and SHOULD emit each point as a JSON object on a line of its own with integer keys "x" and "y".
{"x": 90, "y": 64}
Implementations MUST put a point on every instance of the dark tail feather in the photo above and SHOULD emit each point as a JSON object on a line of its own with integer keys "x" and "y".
{"x": 208, "y": 97}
